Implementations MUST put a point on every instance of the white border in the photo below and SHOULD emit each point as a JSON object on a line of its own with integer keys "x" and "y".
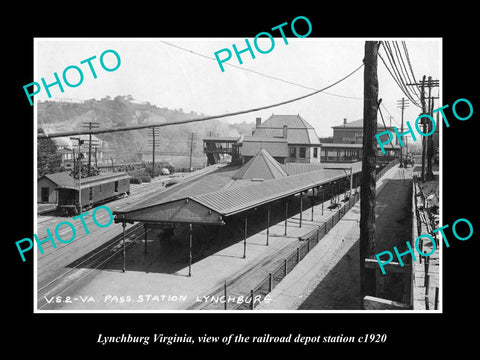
{"x": 242, "y": 312}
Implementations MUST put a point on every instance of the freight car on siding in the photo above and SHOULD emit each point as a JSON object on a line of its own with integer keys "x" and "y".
{"x": 94, "y": 190}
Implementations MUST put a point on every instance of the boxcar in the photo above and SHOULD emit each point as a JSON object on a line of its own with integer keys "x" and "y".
{"x": 94, "y": 190}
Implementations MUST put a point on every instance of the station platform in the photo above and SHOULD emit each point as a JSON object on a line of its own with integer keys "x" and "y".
{"x": 328, "y": 277}
{"x": 158, "y": 280}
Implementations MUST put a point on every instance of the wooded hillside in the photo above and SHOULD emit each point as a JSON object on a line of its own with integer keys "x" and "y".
{"x": 123, "y": 111}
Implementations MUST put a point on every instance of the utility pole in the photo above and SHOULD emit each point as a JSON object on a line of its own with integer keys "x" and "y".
{"x": 90, "y": 125}
{"x": 80, "y": 142}
{"x": 368, "y": 182}
{"x": 422, "y": 98}
{"x": 402, "y": 104}
{"x": 96, "y": 164}
{"x": 192, "y": 138}
{"x": 426, "y": 109}
{"x": 431, "y": 83}
{"x": 152, "y": 133}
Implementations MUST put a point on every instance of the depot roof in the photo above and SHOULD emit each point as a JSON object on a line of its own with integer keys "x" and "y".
{"x": 217, "y": 195}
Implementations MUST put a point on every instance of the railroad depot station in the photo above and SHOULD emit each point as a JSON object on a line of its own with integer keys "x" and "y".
{"x": 265, "y": 201}
{"x": 281, "y": 161}
{"x": 239, "y": 192}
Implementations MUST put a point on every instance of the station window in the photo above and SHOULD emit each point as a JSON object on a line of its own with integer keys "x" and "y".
{"x": 293, "y": 152}
{"x": 315, "y": 152}
{"x": 302, "y": 153}
{"x": 116, "y": 186}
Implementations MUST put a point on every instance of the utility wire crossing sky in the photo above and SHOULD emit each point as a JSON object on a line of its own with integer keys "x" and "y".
{"x": 179, "y": 74}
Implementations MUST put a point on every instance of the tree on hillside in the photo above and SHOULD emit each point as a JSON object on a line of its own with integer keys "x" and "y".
{"x": 48, "y": 160}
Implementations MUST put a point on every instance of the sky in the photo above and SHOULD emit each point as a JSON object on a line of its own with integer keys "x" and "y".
{"x": 166, "y": 76}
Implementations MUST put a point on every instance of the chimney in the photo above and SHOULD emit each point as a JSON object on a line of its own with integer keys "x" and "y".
{"x": 344, "y": 121}
{"x": 285, "y": 131}
{"x": 258, "y": 121}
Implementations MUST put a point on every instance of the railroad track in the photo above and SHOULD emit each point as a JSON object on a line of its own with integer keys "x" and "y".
{"x": 84, "y": 267}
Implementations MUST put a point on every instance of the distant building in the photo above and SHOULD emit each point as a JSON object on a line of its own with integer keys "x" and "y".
{"x": 218, "y": 149}
{"x": 47, "y": 184}
{"x": 288, "y": 138}
{"x": 352, "y": 132}
{"x": 276, "y": 147}
{"x": 69, "y": 100}
{"x": 68, "y": 149}
{"x": 347, "y": 143}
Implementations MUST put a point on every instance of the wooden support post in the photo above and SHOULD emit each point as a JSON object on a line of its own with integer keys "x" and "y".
{"x": 332, "y": 196}
{"x": 313, "y": 202}
{"x": 268, "y": 223}
{"x": 351, "y": 182}
{"x": 225, "y": 294}
{"x": 245, "y": 238}
{"x": 145, "y": 234}
{"x": 286, "y": 215}
{"x": 124, "y": 224}
{"x": 251, "y": 304}
{"x": 323, "y": 197}
{"x": 301, "y": 208}
{"x": 368, "y": 184}
{"x": 427, "y": 285}
{"x": 190, "y": 249}
{"x": 270, "y": 283}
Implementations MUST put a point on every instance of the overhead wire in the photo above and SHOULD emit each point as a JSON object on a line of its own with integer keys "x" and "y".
{"x": 393, "y": 117}
{"x": 412, "y": 80}
{"x": 203, "y": 118}
{"x": 400, "y": 84}
{"x": 398, "y": 74}
{"x": 400, "y": 80}
{"x": 404, "y": 69}
{"x": 256, "y": 72}
{"x": 269, "y": 76}
{"x": 315, "y": 91}
{"x": 405, "y": 48}
{"x": 403, "y": 76}
{"x": 383, "y": 121}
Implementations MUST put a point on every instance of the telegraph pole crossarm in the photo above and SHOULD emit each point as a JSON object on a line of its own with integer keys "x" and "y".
{"x": 90, "y": 125}
{"x": 153, "y": 133}
{"x": 427, "y": 108}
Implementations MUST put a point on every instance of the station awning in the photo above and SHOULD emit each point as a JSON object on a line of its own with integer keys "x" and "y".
{"x": 211, "y": 207}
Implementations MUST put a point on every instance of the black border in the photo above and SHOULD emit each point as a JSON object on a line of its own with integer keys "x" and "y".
{"x": 410, "y": 334}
